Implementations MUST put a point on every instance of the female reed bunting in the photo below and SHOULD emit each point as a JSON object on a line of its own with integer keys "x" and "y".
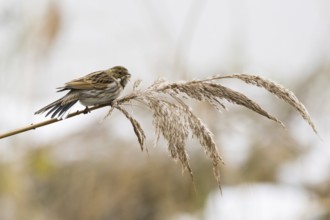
{"x": 97, "y": 88}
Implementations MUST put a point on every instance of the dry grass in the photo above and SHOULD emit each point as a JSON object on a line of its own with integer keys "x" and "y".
{"x": 175, "y": 121}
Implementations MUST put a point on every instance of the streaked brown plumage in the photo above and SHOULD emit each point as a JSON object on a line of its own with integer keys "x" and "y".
{"x": 101, "y": 87}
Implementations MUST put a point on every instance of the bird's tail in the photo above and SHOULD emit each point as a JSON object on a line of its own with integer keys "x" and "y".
{"x": 57, "y": 108}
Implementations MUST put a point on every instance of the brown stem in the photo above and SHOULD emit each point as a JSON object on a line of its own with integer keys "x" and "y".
{"x": 50, "y": 121}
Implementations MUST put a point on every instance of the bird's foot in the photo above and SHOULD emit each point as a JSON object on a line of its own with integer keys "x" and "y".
{"x": 86, "y": 110}
{"x": 113, "y": 103}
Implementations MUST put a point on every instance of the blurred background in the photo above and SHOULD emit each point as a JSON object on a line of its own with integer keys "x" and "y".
{"x": 90, "y": 168}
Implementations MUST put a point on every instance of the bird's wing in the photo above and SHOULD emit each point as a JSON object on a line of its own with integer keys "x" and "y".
{"x": 95, "y": 80}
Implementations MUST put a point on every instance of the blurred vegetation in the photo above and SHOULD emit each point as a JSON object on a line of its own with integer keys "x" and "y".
{"x": 114, "y": 186}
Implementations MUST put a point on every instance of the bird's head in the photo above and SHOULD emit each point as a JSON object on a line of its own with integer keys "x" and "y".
{"x": 120, "y": 72}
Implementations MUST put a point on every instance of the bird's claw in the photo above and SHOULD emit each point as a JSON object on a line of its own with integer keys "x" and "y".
{"x": 86, "y": 110}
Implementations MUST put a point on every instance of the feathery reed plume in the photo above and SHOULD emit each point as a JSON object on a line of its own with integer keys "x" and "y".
{"x": 278, "y": 90}
{"x": 136, "y": 127}
{"x": 175, "y": 121}
{"x": 213, "y": 93}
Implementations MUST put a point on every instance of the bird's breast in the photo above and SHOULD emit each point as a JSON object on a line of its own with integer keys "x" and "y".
{"x": 99, "y": 96}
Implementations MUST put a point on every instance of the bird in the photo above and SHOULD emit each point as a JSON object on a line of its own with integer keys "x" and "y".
{"x": 97, "y": 88}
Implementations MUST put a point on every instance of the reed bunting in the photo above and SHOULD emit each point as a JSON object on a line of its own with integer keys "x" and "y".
{"x": 97, "y": 88}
